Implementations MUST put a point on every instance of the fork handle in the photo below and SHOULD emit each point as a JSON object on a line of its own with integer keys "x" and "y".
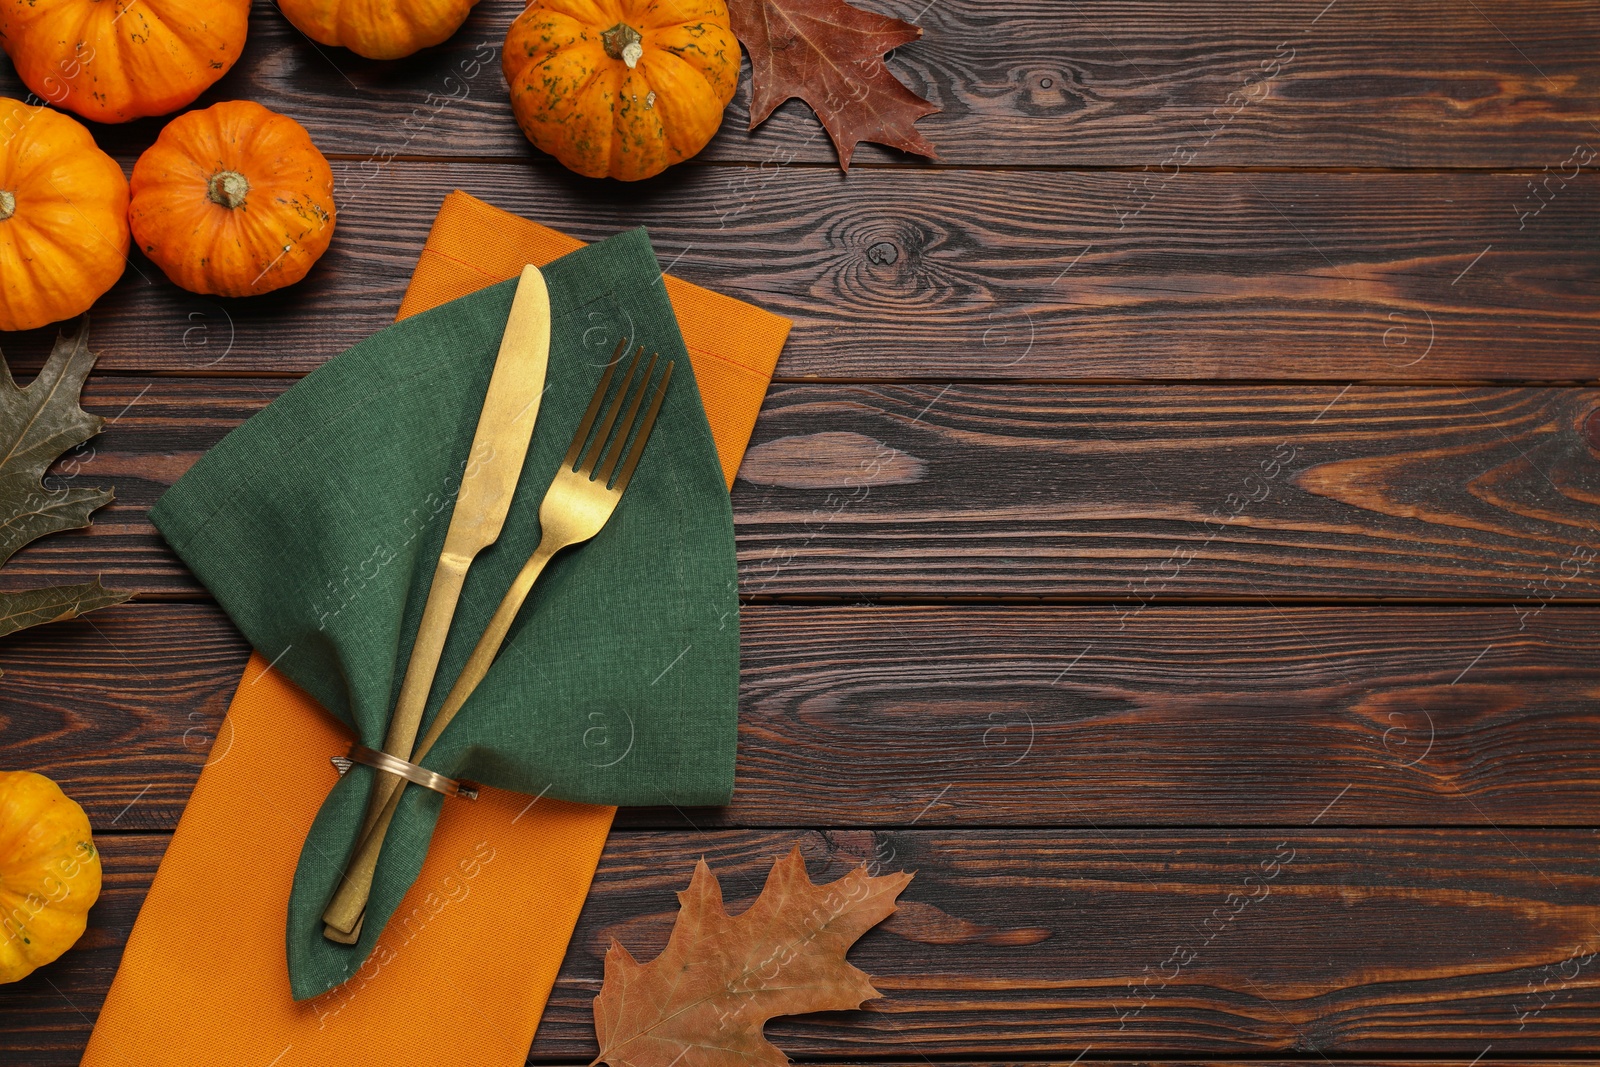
{"x": 488, "y": 646}
{"x": 350, "y": 901}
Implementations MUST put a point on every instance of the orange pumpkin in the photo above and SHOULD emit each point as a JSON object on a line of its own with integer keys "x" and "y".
{"x": 63, "y": 217}
{"x": 378, "y": 29}
{"x": 115, "y": 60}
{"x": 234, "y": 200}
{"x": 49, "y": 873}
{"x": 624, "y": 88}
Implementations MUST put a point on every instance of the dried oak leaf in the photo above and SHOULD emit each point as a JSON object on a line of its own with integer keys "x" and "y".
{"x": 830, "y": 55}
{"x": 54, "y": 603}
{"x": 37, "y": 425}
{"x": 704, "y": 1000}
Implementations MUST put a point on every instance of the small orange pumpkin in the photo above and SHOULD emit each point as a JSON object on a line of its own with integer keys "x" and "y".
{"x": 624, "y": 88}
{"x": 234, "y": 200}
{"x": 63, "y": 217}
{"x": 116, "y": 60}
{"x": 378, "y": 29}
{"x": 49, "y": 873}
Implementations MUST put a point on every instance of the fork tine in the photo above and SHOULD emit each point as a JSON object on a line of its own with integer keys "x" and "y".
{"x": 594, "y": 405}
{"x": 609, "y": 419}
{"x": 645, "y": 426}
{"x": 615, "y": 451}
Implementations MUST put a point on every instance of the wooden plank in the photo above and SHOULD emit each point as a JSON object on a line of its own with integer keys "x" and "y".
{"x": 1107, "y": 906}
{"x": 1131, "y": 494}
{"x": 1163, "y": 492}
{"x": 965, "y": 716}
{"x": 122, "y": 708}
{"x": 905, "y": 273}
{"x": 1379, "y": 83}
{"x": 1015, "y": 944}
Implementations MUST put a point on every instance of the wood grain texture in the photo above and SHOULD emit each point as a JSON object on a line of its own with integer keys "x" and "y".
{"x": 1113, "y": 83}
{"x": 122, "y": 708}
{"x": 904, "y": 273}
{"x": 1037, "y": 944}
{"x": 1094, "y": 791}
{"x": 1131, "y": 494}
{"x": 971, "y": 716}
{"x": 1159, "y": 493}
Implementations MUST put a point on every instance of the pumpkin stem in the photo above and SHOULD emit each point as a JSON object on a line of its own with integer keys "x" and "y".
{"x": 228, "y": 188}
{"x": 623, "y": 42}
{"x": 8, "y": 204}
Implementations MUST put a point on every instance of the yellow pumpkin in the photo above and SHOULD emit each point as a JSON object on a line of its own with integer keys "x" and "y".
{"x": 116, "y": 60}
{"x": 63, "y": 217}
{"x": 234, "y": 200}
{"x": 49, "y": 873}
{"x": 378, "y": 29}
{"x": 621, "y": 88}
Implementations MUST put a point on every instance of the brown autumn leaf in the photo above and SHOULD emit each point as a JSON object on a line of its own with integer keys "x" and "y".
{"x": 704, "y": 1000}
{"x": 830, "y": 55}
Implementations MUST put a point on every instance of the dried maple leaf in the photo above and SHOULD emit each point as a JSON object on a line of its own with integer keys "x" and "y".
{"x": 704, "y": 1000}
{"x": 37, "y": 425}
{"x": 830, "y": 55}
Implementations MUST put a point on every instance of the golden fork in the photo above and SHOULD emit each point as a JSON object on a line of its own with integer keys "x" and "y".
{"x": 580, "y": 500}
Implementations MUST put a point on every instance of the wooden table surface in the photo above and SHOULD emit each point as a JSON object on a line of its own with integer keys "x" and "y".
{"x": 1191, "y": 475}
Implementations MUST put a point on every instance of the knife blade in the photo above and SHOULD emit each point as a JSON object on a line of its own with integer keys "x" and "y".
{"x": 488, "y": 482}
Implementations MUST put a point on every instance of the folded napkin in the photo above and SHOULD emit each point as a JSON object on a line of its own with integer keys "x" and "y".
{"x": 462, "y": 973}
{"x": 317, "y": 525}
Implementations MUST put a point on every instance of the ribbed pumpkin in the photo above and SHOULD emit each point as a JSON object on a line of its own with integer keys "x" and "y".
{"x": 63, "y": 217}
{"x": 621, "y": 88}
{"x": 49, "y": 873}
{"x": 378, "y": 29}
{"x": 115, "y": 60}
{"x": 234, "y": 200}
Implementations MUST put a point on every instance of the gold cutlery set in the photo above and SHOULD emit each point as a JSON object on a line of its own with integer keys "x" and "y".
{"x": 585, "y": 492}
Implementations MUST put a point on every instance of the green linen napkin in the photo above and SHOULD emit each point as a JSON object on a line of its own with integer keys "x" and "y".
{"x": 317, "y": 524}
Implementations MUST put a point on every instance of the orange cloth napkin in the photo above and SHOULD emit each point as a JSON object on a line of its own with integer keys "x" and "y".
{"x": 463, "y": 970}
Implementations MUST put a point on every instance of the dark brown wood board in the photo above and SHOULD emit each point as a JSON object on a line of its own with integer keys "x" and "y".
{"x": 1127, "y": 83}
{"x": 1195, "y": 467}
{"x": 975, "y": 715}
{"x": 1046, "y": 942}
{"x": 905, "y": 273}
{"x": 1132, "y": 494}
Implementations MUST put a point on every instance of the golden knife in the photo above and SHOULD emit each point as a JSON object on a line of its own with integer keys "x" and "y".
{"x": 488, "y": 482}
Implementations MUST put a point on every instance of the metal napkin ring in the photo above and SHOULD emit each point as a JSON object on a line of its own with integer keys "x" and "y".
{"x": 382, "y": 761}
